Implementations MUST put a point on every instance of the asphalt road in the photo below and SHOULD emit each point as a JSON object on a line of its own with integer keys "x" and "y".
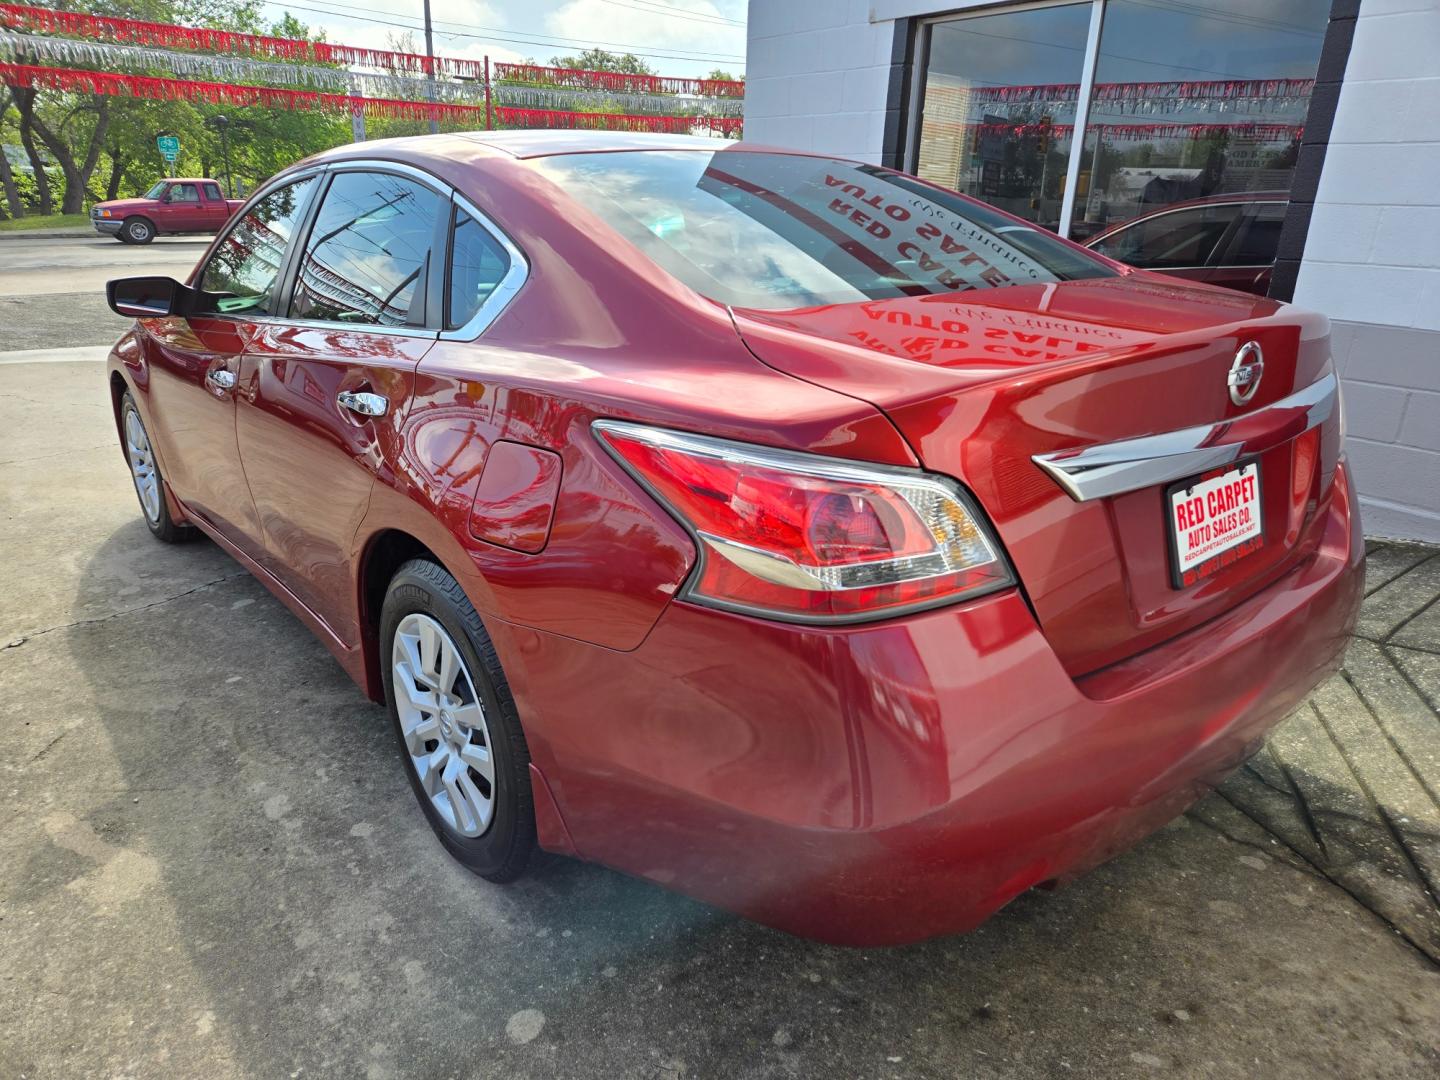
{"x": 211, "y": 865}
{"x": 52, "y": 290}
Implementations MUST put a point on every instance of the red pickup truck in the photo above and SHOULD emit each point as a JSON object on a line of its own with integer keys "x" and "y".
{"x": 173, "y": 205}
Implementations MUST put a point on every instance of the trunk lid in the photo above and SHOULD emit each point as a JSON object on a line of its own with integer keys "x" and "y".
{"x": 980, "y": 383}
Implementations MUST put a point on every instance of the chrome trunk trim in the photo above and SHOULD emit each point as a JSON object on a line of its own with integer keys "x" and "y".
{"x": 1098, "y": 472}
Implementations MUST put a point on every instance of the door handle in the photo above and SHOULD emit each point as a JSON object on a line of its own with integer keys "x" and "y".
{"x": 221, "y": 377}
{"x": 364, "y": 404}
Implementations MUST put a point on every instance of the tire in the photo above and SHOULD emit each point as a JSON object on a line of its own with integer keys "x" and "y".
{"x": 137, "y": 230}
{"x": 146, "y": 476}
{"x": 496, "y": 840}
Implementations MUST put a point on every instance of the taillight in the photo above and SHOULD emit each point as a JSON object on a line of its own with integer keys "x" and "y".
{"x": 810, "y": 538}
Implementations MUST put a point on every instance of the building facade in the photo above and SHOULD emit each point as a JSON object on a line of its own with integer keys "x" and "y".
{"x": 1285, "y": 147}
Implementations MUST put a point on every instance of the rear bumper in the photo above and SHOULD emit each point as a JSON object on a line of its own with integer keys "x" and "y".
{"x": 107, "y": 226}
{"x": 887, "y": 783}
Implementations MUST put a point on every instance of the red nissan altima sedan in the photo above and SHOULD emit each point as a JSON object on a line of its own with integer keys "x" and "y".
{"x": 784, "y": 530}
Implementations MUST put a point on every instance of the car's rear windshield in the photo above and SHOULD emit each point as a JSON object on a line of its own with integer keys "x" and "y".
{"x": 777, "y": 231}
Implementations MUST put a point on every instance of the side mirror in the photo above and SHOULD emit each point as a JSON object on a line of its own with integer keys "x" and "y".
{"x": 148, "y": 297}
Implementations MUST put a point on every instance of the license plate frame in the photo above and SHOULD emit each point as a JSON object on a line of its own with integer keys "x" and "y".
{"x": 1248, "y": 538}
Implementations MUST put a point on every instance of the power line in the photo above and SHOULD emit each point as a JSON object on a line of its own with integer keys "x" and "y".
{"x": 675, "y": 13}
{"x": 557, "y": 42}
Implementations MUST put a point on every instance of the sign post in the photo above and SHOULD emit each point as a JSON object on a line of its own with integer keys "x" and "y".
{"x": 169, "y": 146}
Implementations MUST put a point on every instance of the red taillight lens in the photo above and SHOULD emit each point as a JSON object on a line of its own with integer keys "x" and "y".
{"x": 811, "y": 538}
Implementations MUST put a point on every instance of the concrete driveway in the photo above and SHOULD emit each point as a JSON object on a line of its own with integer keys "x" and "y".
{"x": 211, "y": 864}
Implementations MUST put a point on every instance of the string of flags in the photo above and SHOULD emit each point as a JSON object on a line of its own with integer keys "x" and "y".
{"x": 136, "y": 58}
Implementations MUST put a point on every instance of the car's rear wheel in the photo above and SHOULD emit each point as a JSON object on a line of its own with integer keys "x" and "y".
{"x": 137, "y": 230}
{"x": 145, "y": 472}
{"x": 456, "y": 723}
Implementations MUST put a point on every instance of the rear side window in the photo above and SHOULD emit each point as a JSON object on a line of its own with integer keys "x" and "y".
{"x": 368, "y": 253}
{"x": 778, "y": 231}
{"x": 1171, "y": 241}
{"x": 478, "y": 264}
{"x": 212, "y": 192}
{"x": 1259, "y": 237}
{"x": 243, "y": 272}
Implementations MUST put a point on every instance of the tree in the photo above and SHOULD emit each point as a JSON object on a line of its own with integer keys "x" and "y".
{"x": 720, "y": 75}
{"x": 600, "y": 60}
{"x": 75, "y": 129}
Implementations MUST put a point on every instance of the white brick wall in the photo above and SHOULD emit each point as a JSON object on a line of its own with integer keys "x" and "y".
{"x": 1372, "y": 262}
{"x": 818, "y": 74}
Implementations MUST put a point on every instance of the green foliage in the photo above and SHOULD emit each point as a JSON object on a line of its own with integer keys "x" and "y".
{"x": 601, "y": 60}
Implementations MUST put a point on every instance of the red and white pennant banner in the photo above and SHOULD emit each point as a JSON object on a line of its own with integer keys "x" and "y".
{"x": 672, "y": 125}
{"x": 1140, "y": 92}
{"x": 1136, "y": 132}
{"x": 118, "y": 84}
{"x": 167, "y": 35}
{"x": 535, "y": 75}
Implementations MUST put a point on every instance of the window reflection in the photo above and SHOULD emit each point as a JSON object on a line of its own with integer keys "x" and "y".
{"x": 245, "y": 268}
{"x": 367, "y": 253}
{"x": 778, "y": 231}
{"x": 1195, "y": 98}
{"x": 1179, "y": 238}
{"x": 1192, "y": 99}
{"x": 996, "y": 119}
{"x": 477, "y": 266}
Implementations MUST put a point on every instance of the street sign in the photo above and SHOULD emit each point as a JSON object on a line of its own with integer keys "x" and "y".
{"x": 169, "y": 147}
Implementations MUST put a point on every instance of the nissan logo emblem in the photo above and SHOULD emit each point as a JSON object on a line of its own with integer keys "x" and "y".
{"x": 1245, "y": 373}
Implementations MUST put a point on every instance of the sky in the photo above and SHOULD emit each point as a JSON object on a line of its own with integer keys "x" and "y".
{"x": 676, "y": 37}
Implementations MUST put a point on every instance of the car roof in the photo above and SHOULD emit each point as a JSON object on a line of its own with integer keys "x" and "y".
{"x": 521, "y": 144}
{"x": 189, "y": 180}
{"x": 539, "y": 142}
{"x": 1228, "y": 197}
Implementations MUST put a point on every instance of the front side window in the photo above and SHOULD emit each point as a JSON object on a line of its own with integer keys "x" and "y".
{"x": 1171, "y": 240}
{"x": 183, "y": 193}
{"x": 776, "y": 231}
{"x": 368, "y": 252}
{"x": 478, "y": 264}
{"x": 243, "y": 273}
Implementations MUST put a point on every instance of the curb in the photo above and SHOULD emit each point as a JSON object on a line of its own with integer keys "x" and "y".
{"x": 46, "y": 234}
{"x": 95, "y": 354}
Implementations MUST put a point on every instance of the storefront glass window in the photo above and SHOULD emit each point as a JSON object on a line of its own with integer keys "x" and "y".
{"x": 1195, "y": 99}
{"x": 1188, "y": 100}
{"x": 976, "y": 134}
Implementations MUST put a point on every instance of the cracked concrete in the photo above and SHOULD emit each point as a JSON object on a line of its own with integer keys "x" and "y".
{"x": 1351, "y": 782}
{"x": 213, "y": 866}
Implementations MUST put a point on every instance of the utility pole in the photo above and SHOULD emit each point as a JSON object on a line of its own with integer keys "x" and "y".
{"x": 430, "y": 72}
